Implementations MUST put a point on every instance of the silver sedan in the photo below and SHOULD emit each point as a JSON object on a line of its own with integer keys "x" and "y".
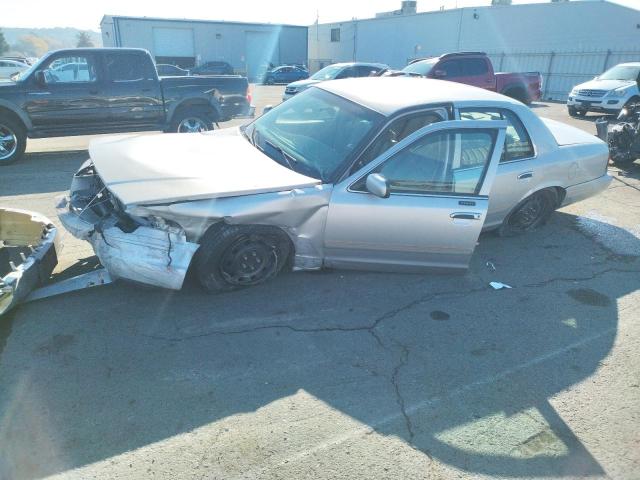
{"x": 372, "y": 173}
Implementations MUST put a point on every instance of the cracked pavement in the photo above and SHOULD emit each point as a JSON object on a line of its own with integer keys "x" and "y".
{"x": 334, "y": 374}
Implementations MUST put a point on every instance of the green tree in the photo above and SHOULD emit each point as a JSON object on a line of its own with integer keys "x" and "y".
{"x": 4, "y": 46}
{"x": 84, "y": 40}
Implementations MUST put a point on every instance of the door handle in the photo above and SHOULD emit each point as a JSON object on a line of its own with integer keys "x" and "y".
{"x": 466, "y": 215}
{"x": 525, "y": 175}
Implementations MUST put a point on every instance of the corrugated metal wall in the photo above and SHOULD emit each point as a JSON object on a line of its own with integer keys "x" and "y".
{"x": 561, "y": 71}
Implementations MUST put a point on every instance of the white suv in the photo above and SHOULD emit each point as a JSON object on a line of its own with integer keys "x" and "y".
{"x": 608, "y": 92}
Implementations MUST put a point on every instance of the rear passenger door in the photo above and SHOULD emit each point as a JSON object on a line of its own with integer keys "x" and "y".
{"x": 135, "y": 99}
{"x": 519, "y": 170}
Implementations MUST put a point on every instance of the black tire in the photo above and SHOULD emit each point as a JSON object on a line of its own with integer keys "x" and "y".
{"x": 519, "y": 94}
{"x": 574, "y": 112}
{"x": 530, "y": 213}
{"x": 236, "y": 256}
{"x": 192, "y": 120}
{"x": 14, "y": 141}
{"x": 630, "y": 102}
{"x": 269, "y": 81}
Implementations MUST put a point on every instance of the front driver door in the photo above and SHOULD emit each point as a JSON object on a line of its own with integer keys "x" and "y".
{"x": 439, "y": 181}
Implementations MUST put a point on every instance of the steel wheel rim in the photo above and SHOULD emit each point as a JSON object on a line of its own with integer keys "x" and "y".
{"x": 8, "y": 142}
{"x": 192, "y": 125}
{"x": 249, "y": 261}
{"x": 529, "y": 214}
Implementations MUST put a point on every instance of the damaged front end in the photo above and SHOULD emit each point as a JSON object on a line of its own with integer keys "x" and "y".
{"x": 146, "y": 250}
{"x": 27, "y": 254}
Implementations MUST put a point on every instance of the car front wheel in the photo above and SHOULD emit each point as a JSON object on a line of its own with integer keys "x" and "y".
{"x": 13, "y": 141}
{"x": 531, "y": 213}
{"x": 235, "y": 256}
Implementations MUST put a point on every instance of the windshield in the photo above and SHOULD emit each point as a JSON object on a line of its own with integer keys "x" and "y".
{"x": 422, "y": 67}
{"x": 621, "y": 72}
{"x": 327, "y": 73}
{"x": 313, "y": 133}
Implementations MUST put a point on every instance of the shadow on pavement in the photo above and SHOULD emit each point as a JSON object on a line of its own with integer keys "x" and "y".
{"x": 41, "y": 172}
{"x": 461, "y": 372}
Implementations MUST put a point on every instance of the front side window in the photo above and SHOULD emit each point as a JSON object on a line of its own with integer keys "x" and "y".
{"x": 438, "y": 164}
{"x": 451, "y": 69}
{"x": 80, "y": 69}
{"x": 517, "y": 143}
{"x": 126, "y": 67}
{"x": 395, "y": 132}
{"x": 314, "y": 132}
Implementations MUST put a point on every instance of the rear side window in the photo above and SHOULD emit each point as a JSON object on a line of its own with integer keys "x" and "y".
{"x": 517, "y": 144}
{"x": 127, "y": 67}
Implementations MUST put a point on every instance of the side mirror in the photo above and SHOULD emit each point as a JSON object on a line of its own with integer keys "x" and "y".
{"x": 41, "y": 78}
{"x": 378, "y": 185}
{"x": 439, "y": 73}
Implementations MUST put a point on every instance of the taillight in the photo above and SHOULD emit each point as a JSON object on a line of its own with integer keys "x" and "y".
{"x": 249, "y": 97}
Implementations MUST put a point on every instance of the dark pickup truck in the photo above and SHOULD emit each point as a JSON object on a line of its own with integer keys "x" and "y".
{"x": 475, "y": 68}
{"x": 84, "y": 91}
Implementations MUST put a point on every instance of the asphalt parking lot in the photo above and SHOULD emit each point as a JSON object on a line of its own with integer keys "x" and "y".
{"x": 335, "y": 374}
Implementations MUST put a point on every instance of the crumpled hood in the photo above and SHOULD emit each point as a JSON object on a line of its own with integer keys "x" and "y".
{"x": 169, "y": 168}
{"x": 604, "y": 84}
{"x": 303, "y": 84}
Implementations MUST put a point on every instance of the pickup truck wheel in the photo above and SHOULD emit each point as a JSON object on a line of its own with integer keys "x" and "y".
{"x": 192, "y": 121}
{"x": 531, "y": 213}
{"x": 13, "y": 141}
{"x": 518, "y": 94}
{"x": 235, "y": 256}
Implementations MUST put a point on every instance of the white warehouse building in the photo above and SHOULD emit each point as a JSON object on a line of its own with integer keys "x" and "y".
{"x": 247, "y": 47}
{"x": 568, "y": 42}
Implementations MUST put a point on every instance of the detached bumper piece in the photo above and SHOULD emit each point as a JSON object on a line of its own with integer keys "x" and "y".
{"x": 27, "y": 254}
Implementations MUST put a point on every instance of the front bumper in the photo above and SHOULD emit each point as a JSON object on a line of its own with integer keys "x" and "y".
{"x": 26, "y": 268}
{"x": 597, "y": 104}
{"x": 141, "y": 251}
{"x": 582, "y": 191}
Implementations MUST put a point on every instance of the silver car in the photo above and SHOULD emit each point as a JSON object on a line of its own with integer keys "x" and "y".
{"x": 342, "y": 175}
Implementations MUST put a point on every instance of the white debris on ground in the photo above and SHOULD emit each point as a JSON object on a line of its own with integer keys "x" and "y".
{"x": 607, "y": 231}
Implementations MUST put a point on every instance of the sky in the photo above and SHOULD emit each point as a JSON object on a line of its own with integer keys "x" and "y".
{"x": 85, "y": 14}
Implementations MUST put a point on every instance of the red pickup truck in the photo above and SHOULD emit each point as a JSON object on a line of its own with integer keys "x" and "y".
{"x": 475, "y": 68}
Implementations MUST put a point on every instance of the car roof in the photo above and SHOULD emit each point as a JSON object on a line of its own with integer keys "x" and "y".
{"x": 388, "y": 95}
{"x": 629, "y": 64}
{"x": 358, "y": 64}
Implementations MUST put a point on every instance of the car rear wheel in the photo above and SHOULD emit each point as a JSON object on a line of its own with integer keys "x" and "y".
{"x": 519, "y": 94}
{"x": 235, "y": 256}
{"x": 192, "y": 121}
{"x": 13, "y": 141}
{"x": 531, "y": 213}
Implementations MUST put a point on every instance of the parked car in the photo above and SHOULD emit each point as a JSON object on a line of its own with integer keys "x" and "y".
{"x": 167, "y": 70}
{"x": 11, "y": 67}
{"x": 607, "y": 93}
{"x": 475, "y": 68}
{"x": 213, "y": 68}
{"x": 21, "y": 59}
{"x": 284, "y": 74}
{"x": 101, "y": 90}
{"x": 335, "y": 72}
{"x": 338, "y": 176}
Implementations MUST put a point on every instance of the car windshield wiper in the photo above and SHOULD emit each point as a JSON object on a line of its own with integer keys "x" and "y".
{"x": 286, "y": 157}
